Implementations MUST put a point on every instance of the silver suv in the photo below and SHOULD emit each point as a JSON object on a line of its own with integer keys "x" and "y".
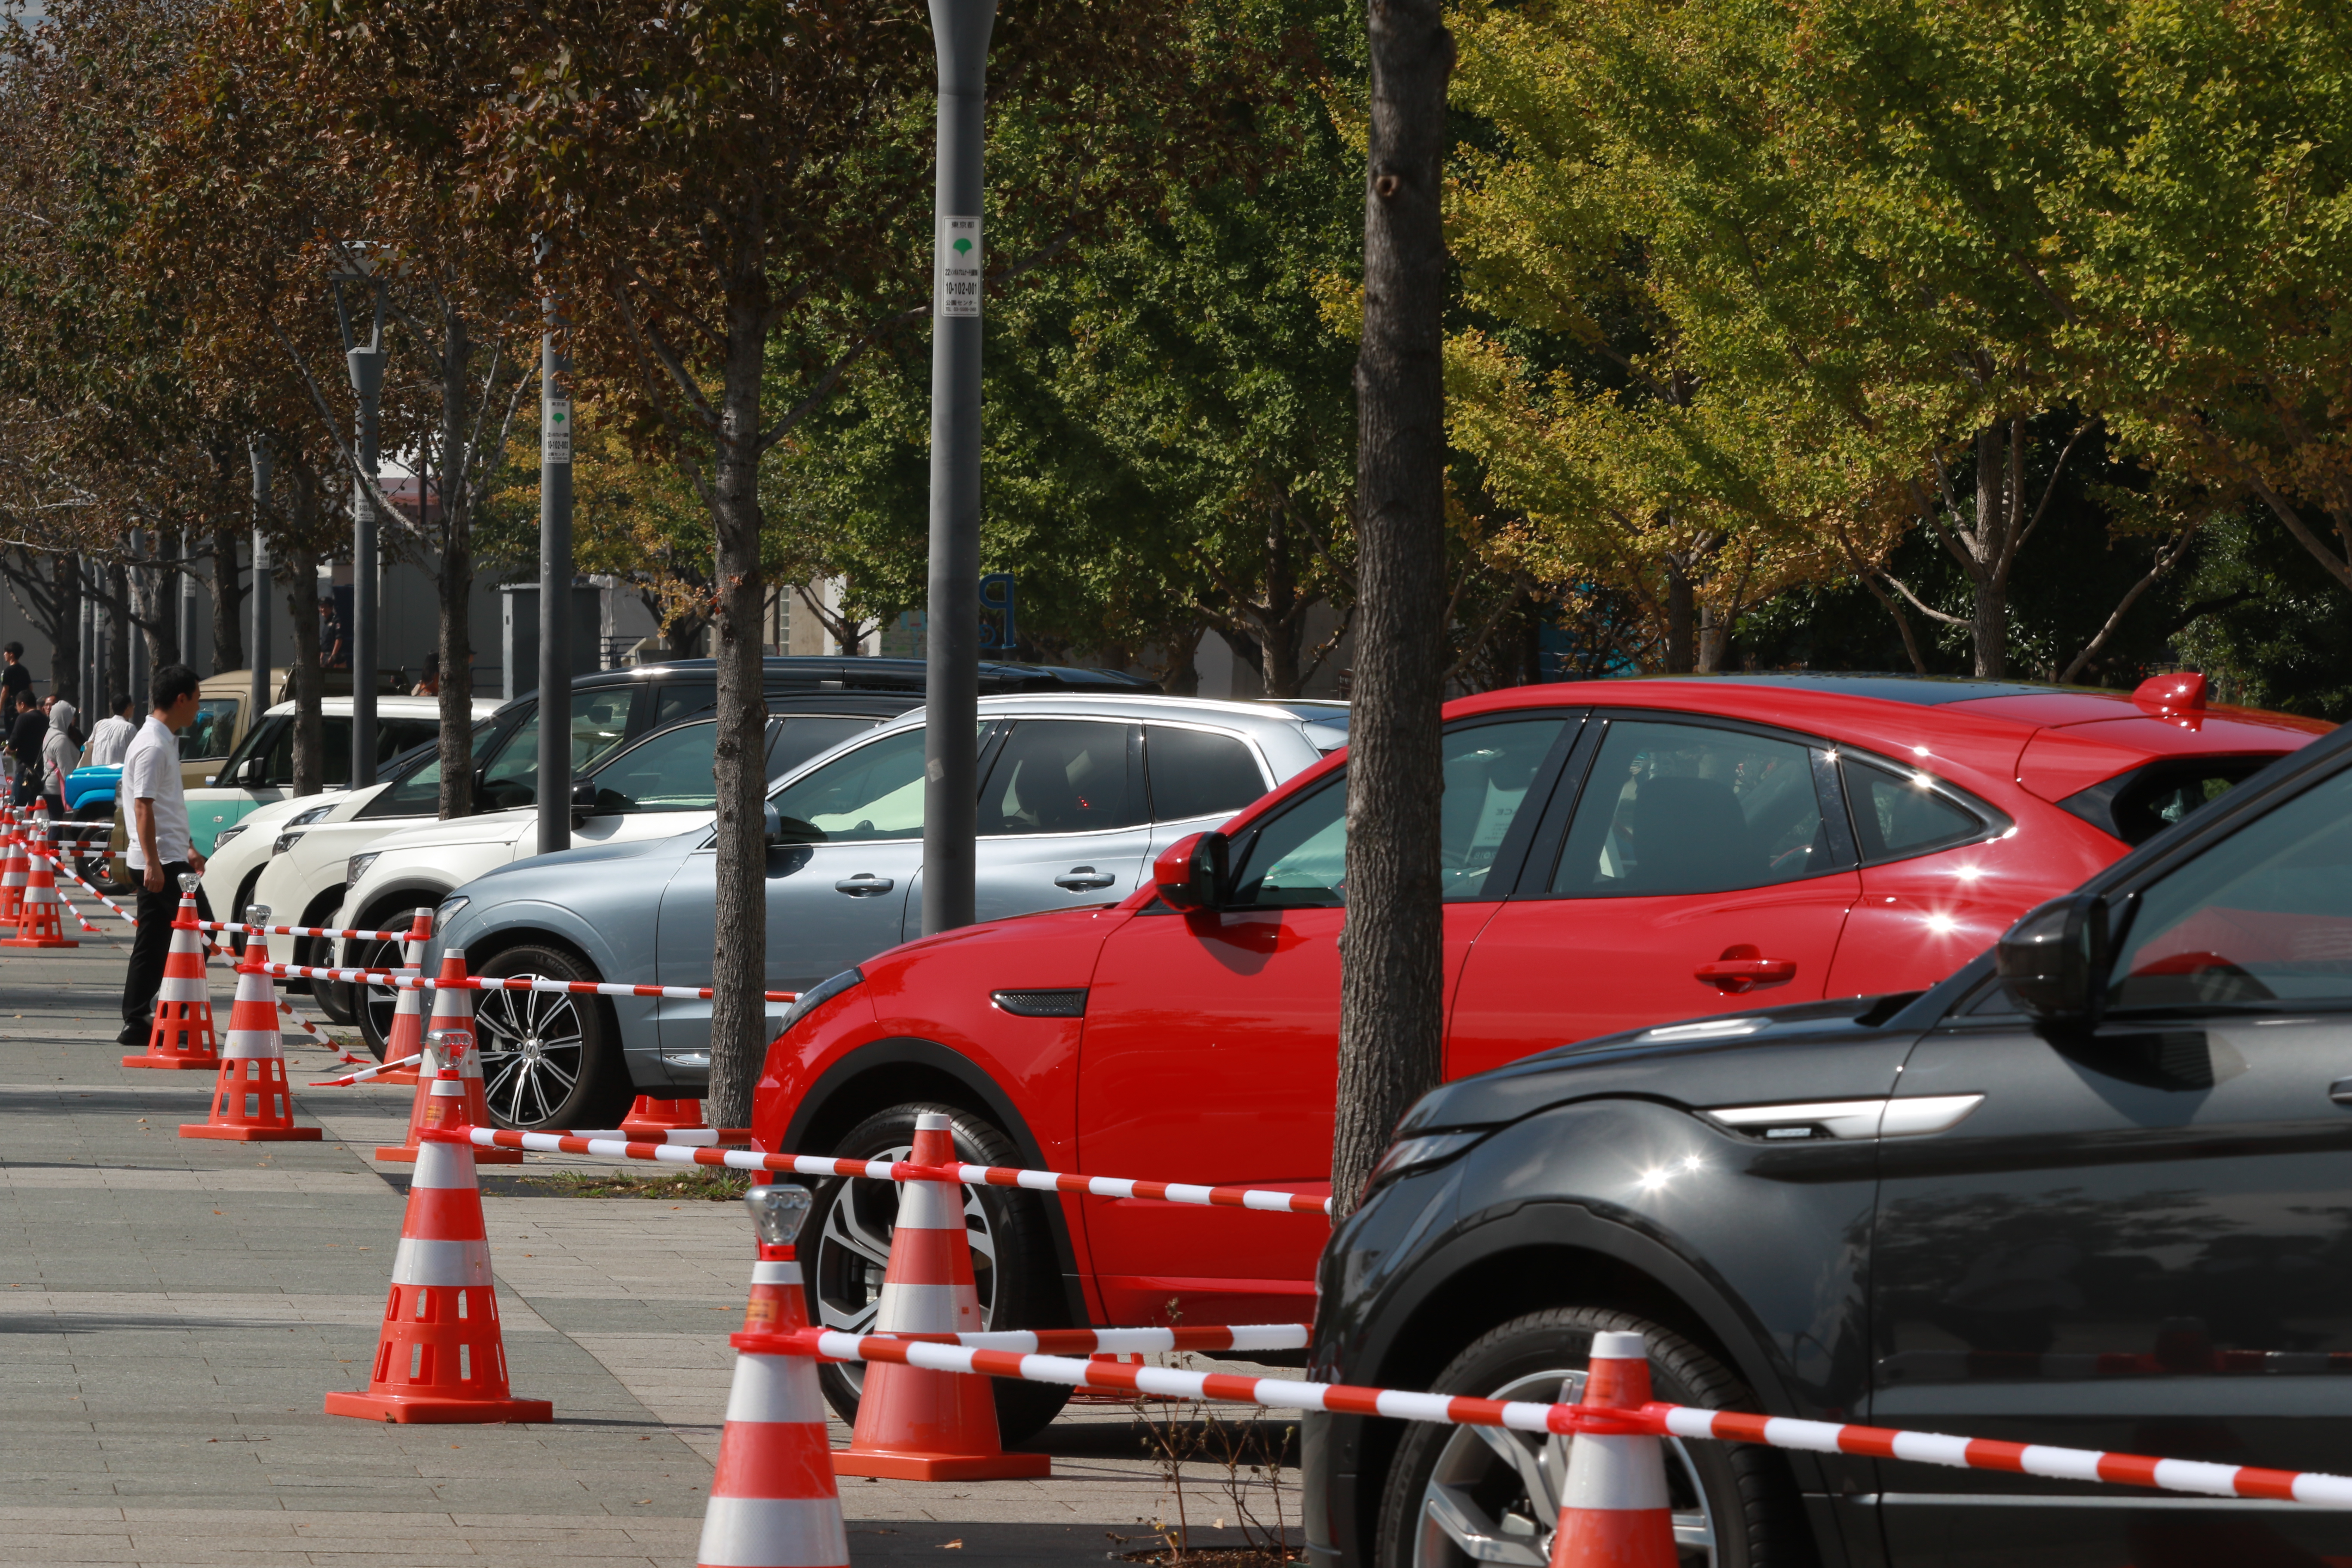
{"x": 1078, "y": 794}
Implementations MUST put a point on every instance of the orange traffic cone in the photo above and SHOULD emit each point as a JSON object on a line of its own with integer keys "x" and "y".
{"x": 39, "y": 918}
{"x": 406, "y": 1036}
{"x": 1613, "y": 1510}
{"x": 915, "y": 1423}
{"x": 183, "y": 1033}
{"x": 15, "y": 869}
{"x": 773, "y": 1502}
{"x": 252, "y": 1102}
{"x": 453, "y": 1019}
{"x": 439, "y": 1355}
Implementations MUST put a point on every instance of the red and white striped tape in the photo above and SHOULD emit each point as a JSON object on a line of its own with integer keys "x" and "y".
{"x": 904, "y": 1171}
{"x": 1656, "y": 1419}
{"x": 366, "y": 1073}
{"x": 1124, "y": 1342}
{"x": 302, "y": 930}
{"x": 128, "y": 918}
{"x": 401, "y": 980}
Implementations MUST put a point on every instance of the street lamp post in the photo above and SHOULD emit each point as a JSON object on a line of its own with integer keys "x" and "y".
{"x": 554, "y": 585}
{"x": 259, "y": 656}
{"x": 187, "y": 605}
{"x": 960, "y": 33}
{"x": 366, "y": 362}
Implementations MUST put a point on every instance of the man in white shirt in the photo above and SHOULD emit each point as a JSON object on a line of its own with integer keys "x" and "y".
{"x": 111, "y": 739}
{"x": 161, "y": 850}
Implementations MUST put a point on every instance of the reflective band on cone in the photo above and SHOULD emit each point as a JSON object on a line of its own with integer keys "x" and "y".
{"x": 439, "y": 1356}
{"x": 912, "y": 1422}
{"x": 1613, "y": 1510}
{"x": 407, "y": 1038}
{"x": 38, "y": 917}
{"x": 182, "y": 1036}
{"x": 453, "y": 1012}
{"x": 252, "y": 1102}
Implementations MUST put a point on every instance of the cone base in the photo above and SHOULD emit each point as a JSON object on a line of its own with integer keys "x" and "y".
{"x": 425, "y": 1410}
{"x": 405, "y": 1154}
{"x": 36, "y": 941}
{"x": 173, "y": 1064}
{"x": 916, "y": 1466}
{"x": 252, "y": 1134}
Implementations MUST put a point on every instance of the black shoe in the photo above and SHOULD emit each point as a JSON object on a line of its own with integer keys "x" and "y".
{"x": 135, "y": 1035}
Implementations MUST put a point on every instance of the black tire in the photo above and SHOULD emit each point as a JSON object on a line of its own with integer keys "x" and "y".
{"x": 847, "y": 1246}
{"x": 372, "y": 1007}
{"x": 1735, "y": 1506}
{"x": 238, "y": 939}
{"x": 550, "y": 1061}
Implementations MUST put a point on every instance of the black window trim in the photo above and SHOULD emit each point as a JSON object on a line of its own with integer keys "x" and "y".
{"x": 1829, "y": 793}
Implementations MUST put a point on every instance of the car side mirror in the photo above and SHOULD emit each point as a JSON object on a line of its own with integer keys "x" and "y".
{"x": 1190, "y": 873}
{"x": 772, "y": 824}
{"x": 2054, "y": 961}
{"x": 583, "y": 795}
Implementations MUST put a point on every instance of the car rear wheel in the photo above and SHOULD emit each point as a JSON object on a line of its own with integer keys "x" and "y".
{"x": 848, "y": 1246}
{"x": 550, "y": 1061}
{"x": 1459, "y": 1495}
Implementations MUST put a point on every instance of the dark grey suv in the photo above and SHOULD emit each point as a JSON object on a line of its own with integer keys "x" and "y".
{"x": 2094, "y": 1190}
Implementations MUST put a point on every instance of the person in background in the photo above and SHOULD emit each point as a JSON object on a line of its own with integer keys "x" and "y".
{"x": 111, "y": 738}
{"x": 25, "y": 732}
{"x": 13, "y": 676}
{"x": 431, "y": 685}
{"x": 161, "y": 851}
{"x": 59, "y": 753}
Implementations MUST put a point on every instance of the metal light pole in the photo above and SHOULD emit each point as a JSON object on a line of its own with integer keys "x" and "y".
{"x": 259, "y": 641}
{"x": 187, "y": 605}
{"x": 960, "y": 30}
{"x": 366, "y": 361}
{"x": 554, "y": 584}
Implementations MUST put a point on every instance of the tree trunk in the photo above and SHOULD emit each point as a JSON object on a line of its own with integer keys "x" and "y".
{"x": 1998, "y": 452}
{"x": 301, "y": 568}
{"x": 457, "y": 579}
{"x": 1391, "y": 1020}
{"x": 737, "y": 1015}
{"x": 229, "y": 600}
{"x": 65, "y": 675}
{"x": 116, "y": 639}
{"x": 152, "y": 591}
{"x": 1681, "y": 620}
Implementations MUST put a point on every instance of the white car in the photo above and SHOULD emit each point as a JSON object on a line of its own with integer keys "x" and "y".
{"x": 260, "y": 772}
{"x": 657, "y": 787}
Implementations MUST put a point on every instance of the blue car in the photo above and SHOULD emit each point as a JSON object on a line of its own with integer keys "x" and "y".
{"x": 90, "y": 792}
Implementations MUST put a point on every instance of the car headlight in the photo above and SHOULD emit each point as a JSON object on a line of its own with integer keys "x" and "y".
{"x": 284, "y": 841}
{"x": 225, "y": 835}
{"x": 816, "y": 996}
{"x": 316, "y": 813}
{"x": 356, "y": 867}
{"x": 1407, "y": 1155}
{"x": 446, "y": 910}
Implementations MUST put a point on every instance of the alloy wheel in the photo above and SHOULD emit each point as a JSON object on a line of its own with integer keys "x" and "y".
{"x": 1494, "y": 1495}
{"x": 533, "y": 1047}
{"x": 852, "y": 1253}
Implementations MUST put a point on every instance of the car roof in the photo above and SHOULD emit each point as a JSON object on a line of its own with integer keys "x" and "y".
{"x": 396, "y": 706}
{"x": 817, "y": 672}
{"x": 1146, "y": 707}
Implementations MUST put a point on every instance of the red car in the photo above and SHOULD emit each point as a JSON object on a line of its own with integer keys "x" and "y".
{"x": 1616, "y": 855}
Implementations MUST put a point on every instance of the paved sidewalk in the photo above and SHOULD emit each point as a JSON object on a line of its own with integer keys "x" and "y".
{"x": 173, "y": 1311}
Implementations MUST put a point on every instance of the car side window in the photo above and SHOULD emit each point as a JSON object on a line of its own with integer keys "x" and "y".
{"x": 1299, "y": 858}
{"x": 672, "y": 770}
{"x": 803, "y": 736}
{"x": 419, "y": 793}
{"x": 1060, "y": 776}
{"x": 209, "y": 736}
{"x": 1898, "y": 815}
{"x": 600, "y": 722}
{"x": 676, "y": 701}
{"x": 1689, "y": 808}
{"x": 2261, "y": 917}
{"x": 873, "y": 793}
{"x": 1196, "y": 774}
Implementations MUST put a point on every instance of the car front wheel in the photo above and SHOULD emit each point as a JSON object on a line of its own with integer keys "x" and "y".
{"x": 550, "y": 1060}
{"x": 1459, "y": 1495}
{"x": 847, "y": 1244}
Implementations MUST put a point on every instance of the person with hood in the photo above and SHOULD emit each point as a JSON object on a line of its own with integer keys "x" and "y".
{"x": 60, "y": 754}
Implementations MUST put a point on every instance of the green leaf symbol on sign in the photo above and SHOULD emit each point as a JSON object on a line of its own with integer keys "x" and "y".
{"x": 961, "y": 247}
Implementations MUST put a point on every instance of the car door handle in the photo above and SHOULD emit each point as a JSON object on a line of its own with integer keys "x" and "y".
{"x": 863, "y": 883}
{"x": 1083, "y": 879}
{"x": 1743, "y": 968}
{"x": 2340, "y": 1092}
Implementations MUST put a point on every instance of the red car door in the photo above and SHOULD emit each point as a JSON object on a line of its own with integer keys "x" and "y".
{"x": 1209, "y": 1051}
{"x": 1702, "y": 867}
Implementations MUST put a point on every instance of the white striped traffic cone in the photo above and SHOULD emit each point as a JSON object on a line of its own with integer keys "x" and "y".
{"x": 1613, "y": 1511}
{"x": 182, "y": 1036}
{"x": 915, "y": 1423}
{"x": 252, "y": 1102}
{"x": 774, "y": 1504}
{"x": 453, "y": 1017}
{"x": 40, "y": 918}
{"x": 13, "y": 868}
{"x": 440, "y": 1356}
{"x": 406, "y": 1036}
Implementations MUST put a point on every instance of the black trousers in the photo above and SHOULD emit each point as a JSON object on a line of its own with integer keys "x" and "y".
{"x": 149, "y": 943}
